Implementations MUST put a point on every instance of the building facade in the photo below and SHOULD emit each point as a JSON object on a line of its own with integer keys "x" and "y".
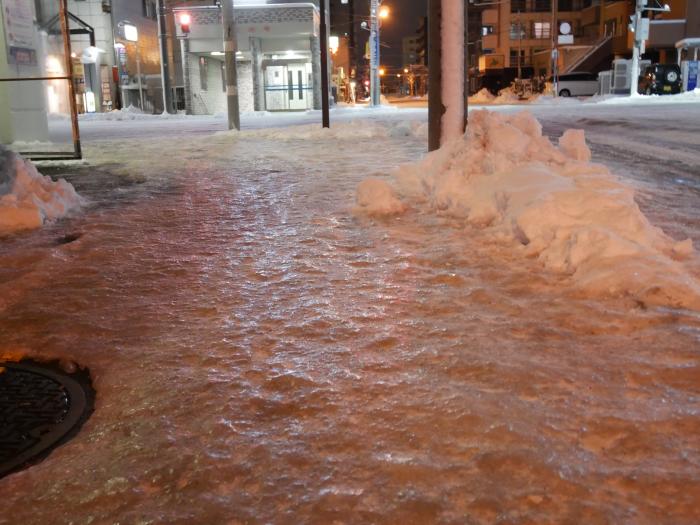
{"x": 277, "y": 61}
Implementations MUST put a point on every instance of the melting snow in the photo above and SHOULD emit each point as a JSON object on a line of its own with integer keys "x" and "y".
{"x": 28, "y": 199}
{"x": 554, "y": 204}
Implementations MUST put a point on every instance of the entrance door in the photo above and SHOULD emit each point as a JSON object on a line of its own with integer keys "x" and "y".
{"x": 288, "y": 87}
{"x": 297, "y": 87}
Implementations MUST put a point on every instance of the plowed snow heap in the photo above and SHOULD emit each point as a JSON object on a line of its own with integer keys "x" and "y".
{"x": 28, "y": 199}
{"x": 551, "y": 202}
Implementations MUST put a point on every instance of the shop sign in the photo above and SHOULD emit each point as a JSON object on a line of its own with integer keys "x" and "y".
{"x": 18, "y": 25}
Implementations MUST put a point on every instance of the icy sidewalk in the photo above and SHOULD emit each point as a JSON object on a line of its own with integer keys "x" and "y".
{"x": 262, "y": 354}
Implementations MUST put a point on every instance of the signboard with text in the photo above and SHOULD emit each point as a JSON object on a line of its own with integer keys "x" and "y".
{"x": 18, "y": 25}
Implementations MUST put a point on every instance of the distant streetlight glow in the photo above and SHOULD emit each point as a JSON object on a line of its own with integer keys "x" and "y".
{"x": 381, "y": 72}
{"x": 383, "y": 12}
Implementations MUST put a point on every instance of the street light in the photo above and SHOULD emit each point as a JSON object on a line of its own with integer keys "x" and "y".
{"x": 377, "y": 13}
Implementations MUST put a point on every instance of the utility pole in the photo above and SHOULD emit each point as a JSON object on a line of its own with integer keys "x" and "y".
{"x": 466, "y": 64}
{"x": 234, "y": 116}
{"x": 374, "y": 86}
{"x": 520, "y": 44}
{"x": 554, "y": 33}
{"x": 640, "y": 27}
{"x": 164, "y": 62}
{"x": 446, "y": 82}
{"x": 323, "y": 35}
{"x": 435, "y": 106}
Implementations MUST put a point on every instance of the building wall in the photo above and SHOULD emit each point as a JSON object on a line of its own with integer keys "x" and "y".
{"x": 213, "y": 100}
{"x": 22, "y": 104}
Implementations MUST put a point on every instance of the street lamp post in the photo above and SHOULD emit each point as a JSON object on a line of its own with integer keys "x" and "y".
{"x": 374, "y": 86}
{"x": 640, "y": 27}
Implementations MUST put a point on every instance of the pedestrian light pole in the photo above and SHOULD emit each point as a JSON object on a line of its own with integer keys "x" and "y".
{"x": 377, "y": 12}
{"x": 640, "y": 27}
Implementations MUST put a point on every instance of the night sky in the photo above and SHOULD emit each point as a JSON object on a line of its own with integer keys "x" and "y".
{"x": 404, "y": 21}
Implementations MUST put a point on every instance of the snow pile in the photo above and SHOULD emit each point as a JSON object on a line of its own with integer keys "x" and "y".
{"x": 552, "y": 203}
{"x": 483, "y": 96}
{"x": 350, "y": 131}
{"x": 507, "y": 96}
{"x": 679, "y": 98}
{"x": 133, "y": 113}
{"x": 28, "y": 199}
{"x": 376, "y": 197}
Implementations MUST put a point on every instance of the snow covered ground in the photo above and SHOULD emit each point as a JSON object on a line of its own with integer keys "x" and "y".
{"x": 263, "y": 353}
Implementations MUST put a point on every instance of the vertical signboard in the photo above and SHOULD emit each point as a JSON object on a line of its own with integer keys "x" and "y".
{"x": 18, "y": 23}
{"x": 692, "y": 75}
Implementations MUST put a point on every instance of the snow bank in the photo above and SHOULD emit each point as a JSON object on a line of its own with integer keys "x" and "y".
{"x": 483, "y": 96}
{"x": 351, "y": 130}
{"x": 134, "y": 113}
{"x": 551, "y": 203}
{"x": 28, "y": 199}
{"x": 680, "y": 98}
{"x": 376, "y": 197}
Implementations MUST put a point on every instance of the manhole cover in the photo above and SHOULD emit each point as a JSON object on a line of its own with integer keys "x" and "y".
{"x": 41, "y": 407}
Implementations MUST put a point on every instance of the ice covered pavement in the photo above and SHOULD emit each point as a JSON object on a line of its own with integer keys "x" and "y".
{"x": 263, "y": 355}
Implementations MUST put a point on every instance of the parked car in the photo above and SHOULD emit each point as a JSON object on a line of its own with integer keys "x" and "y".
{"x": 660, "y": 79}
{"x": 575, "y": 85}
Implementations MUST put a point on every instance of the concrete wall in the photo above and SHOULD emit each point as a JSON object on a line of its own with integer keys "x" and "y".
{"x": 213, "y": 99}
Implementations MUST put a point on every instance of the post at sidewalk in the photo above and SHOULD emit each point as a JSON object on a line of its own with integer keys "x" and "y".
{"x": 435, "y": 106}
{"x": 323, "y": 35}
{"x": 234, "y": 117}
{"x": 164, "y": 63}
{"x": 446, "y": 63}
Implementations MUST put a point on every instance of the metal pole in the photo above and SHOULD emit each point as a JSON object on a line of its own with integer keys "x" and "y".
{"x": 435, "y": 107}
{"x": 466, "y": 64}
{"x": 63, "y": 13}
{"x": 164, "y": 62}
{"x": 520, "y": 43}
{"x": 185, "y": 50}
{"x": 634, "y": 81}
{"x": 375, "y": 95}
{"x": 554, "y": 32}
{"x": 323, "y": 35}
{"x": 234, "y": 116}
{"x": 138, "y": 73}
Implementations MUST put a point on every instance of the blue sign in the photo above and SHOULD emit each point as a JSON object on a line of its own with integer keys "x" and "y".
{"x": 692, "y": 74}
{"x": 374, "y": 48}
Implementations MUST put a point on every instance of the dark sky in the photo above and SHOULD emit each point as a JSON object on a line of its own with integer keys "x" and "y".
{"x": 404, "y": 21}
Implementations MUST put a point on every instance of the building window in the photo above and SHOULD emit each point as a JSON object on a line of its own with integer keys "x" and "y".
{"x": 518, "y": 6}
{"x": 541, "y": 6}
{"x": 486, "y": 30}
{"x": 514, "y": 58}
{"x": 541, "y": 30}
{"x": 517, "y": 31}
{"x": 148, "y": 8}
{"x": 203, "y": 73}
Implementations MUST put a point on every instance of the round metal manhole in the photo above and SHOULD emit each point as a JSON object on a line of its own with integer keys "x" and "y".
{"x": 41, "y": 407}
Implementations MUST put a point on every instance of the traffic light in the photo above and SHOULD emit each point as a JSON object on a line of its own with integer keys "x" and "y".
{"x": 185, "y": 21}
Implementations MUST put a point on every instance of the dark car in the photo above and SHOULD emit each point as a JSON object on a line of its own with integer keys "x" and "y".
{"x": 660, "y": 79}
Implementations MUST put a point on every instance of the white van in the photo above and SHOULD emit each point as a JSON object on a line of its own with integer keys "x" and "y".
{"x": 577, "y": 84}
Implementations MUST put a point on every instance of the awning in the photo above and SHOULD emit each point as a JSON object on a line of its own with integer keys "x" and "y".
{"x": 688, "y": 42}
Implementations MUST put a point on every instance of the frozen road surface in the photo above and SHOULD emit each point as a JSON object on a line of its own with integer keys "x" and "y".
{"x": 262, "y": 354}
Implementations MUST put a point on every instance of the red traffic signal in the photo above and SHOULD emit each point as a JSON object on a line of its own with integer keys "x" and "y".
{"x": 185, "y": 21}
